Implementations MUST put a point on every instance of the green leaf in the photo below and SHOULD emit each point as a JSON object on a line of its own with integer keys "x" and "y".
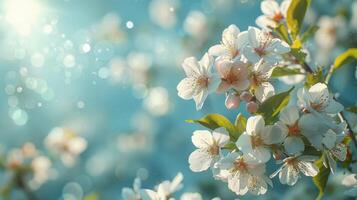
{"x": 213, "y": 121}
{"x": 308, "y": 33}
{"x": 296, "y": 14}
{"x": 230, "y": 146}
{"x": 352, "y": 109}
{"x": 316, "y": 77}
{"x": 345, "y": 58}
{"x": 298, "y": 54}
{"x": 271, "y": 107}
{"x": 240, "y": 123}
{"x": 320, "y": 180}
{"x": 284, "y": 71}
{"x": 282, "y": 32}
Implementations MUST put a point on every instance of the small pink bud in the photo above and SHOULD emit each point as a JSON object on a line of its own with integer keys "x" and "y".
{"x": 246, "y": 96}
{"x": 232, "y": 101}
{"x": 252, "y": 107}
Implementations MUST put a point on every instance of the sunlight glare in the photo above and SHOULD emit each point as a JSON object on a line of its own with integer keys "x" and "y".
{"x": 22, "y": 14}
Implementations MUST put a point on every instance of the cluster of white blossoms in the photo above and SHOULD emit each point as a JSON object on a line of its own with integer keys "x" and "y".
{"x": 297, "y": 135}
{"x": 29, "y": 159}
{"x": 163, "y": 191}
{"x": 244, "y": 62}
{"x": 65, "y": 143}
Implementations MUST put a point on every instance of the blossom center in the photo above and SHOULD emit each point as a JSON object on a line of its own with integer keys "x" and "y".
{"x": 316, "y": 106}
{"x": 203, "y": 81}
{"x": 213, "y": 150}
{"x": 278, "y": 17}
{"x": 294, "y": 129}
{"x": 256, "y": 141}
{"x": 260, "y": 51}
{"x": 232, "y": 77}
{"x": 239, "y": 164}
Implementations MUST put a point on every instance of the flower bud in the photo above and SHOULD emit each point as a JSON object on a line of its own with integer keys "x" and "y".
{"x": 232, "y": 101}
{"x": 252, "y": 107}
{"x": 246, "y": 96}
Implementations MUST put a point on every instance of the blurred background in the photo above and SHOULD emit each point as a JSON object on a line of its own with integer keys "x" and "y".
{"x": 108, "y": 70}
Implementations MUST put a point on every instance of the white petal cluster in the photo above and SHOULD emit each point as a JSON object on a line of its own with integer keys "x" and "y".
{"x": 273, "y": 13}
{"x": 163, "y": 191}
{"x": 295, "y": 135}
{"x": 209, "y": 148}
{"x": 67, "y": 144}
{"x": 243, "y": 61}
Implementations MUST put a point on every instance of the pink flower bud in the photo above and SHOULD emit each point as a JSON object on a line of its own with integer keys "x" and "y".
{"x": 246, "y": 96}
{"x": 252, "y": 107}
{"x": 232, "y": 101}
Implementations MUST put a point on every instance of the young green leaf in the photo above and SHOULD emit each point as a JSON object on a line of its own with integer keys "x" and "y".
{"x": 312, "y": 79}
{"x": 271, "y": 107}
{"x": 296, "y": 14}
{"x": 282, "y": 32}
{"x": 352, "y": 109}
{"x": 240, "y": 123}
{"x": 230, "y": 146}
{"x": 308, "y": 33}
{"x": 284, "y": 71}
{"x": 213, "y": 121}
{"x": 320, "y": 180}
{"x": 345, "y": 58}
{"x": 298, "y": 54}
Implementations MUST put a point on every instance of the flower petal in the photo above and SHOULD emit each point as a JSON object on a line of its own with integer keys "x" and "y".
{"x": 255, "y": 124}
{"x": 289, "y": 115}
{"x": 269, "y": 7}
{"x": 186, "y": 88}
{"x": 244, "y": 143}
{"x": 308, "y": 168}
{"x": 200, "y": 99}
{"x": 293, "y": 145}
{"x": 264, "y": 91}
{"x": 199, "y": 160}
{"x": 202, "y": 139}
{"x": 191, "y": 67}
{"x": 272, "y": 134}
{"x": 221, "y": 136}
{"x": 217, "y": 50}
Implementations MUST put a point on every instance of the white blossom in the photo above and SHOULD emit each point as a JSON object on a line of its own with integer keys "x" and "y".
{"x": 334, "y": 148}
{"x": 260, "y": 76}
{"x": 234, "y": 74}
{"x": 199, "y": 81}
{"x": 41, "y": 168}
{"x": 132, "y": 193}
{"x": 273, "y": 14}
{"x": 262, "y": 45}
{"x": 65, "y": 143}
{"x": 245, "y": 174}
{"x": 289, "y": 125}
{"x": 317, "y": 98}
{"x": 209, "y": 148}
{"x": 289, "y": 172}
{"x": 164, "y": 190}
{"x": 231, "y": 45}
{"x": 256, "y": 139}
